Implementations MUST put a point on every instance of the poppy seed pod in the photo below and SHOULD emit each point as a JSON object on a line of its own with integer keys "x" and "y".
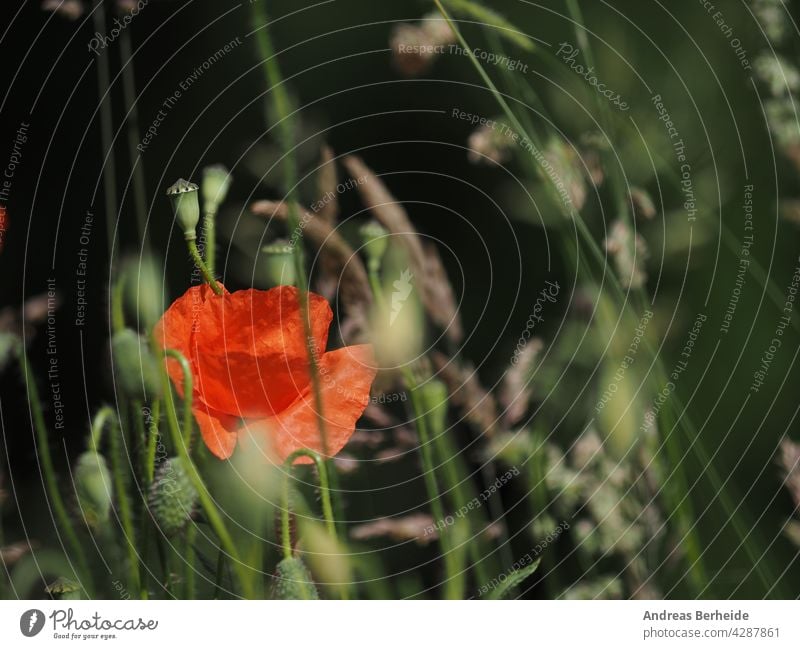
{"x": 293, "y": 581}
{"x": 376, "y": 240}
{"x": 135, "y": 367}
{"x": 94, "y": 488}
{"x": 278, "y": 263}
{"x": 186, "y": 207}
{"x": 215, "y": 185}
{"x": 172, "y": 498}
{"x": 434, "y": 400}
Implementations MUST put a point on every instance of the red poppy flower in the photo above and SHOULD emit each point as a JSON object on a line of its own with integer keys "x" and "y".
{"x": 251, "y": 372}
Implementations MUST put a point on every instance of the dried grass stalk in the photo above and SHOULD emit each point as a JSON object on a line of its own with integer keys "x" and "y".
{"x": 436, "y": 293}
{"x": 326, "y": 187}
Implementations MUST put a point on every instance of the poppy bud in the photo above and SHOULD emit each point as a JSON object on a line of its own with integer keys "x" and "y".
{"x": 215, "y": 185}
{"x": 135, "y": 367}
{"x": 183, "y": 196}
{"x": 94, "y": 488}
{"x": 173, "y": 497}
{"x": 9, "y": 344}
{"x": 278, "y": 260}
{"x": 375, "y": 239}
{"x": 293, "y": 581}
{"x": 143, "y": 291}
{"x": 434, "y": 401}
{"x": 63, "y": 588}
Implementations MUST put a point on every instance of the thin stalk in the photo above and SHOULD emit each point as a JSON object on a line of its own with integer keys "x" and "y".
{"x": 117, "y": 308}
{"x": 152, "y": 442}
{"x": 189, "y": 574}
{"x": 210, "y": 232}
{"x": 136, "y": 160}
{"x": 456, "y": 481}
{"x": 104, "y": 415}
{"x": 429, "y": 475}
{"x": 106, "y": 128}
{"x": 187, "y": 427}
{"x": 46, "y": 461}
{"x": 219, "y": 574}
{"x": 198, "y": 260}
{"x": 282, "y": 107}
{"x": 206, "y": 502}
{"x": 325, "y": 498}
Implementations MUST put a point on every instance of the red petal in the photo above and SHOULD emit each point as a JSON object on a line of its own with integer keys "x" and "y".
{"x": 250, "y": 353}
{"x": 346, "y": 377}
{"x": 175, "y": 328}
{"x": 219, "y": 430}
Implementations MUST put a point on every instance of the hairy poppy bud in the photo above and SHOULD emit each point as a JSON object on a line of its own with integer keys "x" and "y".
{"x": 173, "y": 497}
{"x": 94, "y": 488}
{"x": 293, "y": 581}
{"x": 135, "y": 368}
{"x": 279, "y": 263}
{"x": 215, "y": 185}
{"x": 434, "y": 400}
{"x": 183, "y": 196}
{"x": 375, "y": 239}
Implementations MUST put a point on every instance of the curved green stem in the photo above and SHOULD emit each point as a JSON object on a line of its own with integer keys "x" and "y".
{"x": 286, "y": 533}
{"x": 324, "y": 487}
{"x": 198, "y": 260}
{"x": 206, "y": 502}
{"x": 325, "y": 497}
{"x": 104, "y": 415}
{"x": 188, "y": 386}
{"x": 48, "y": 471}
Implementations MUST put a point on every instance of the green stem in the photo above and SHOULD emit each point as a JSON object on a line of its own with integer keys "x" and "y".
{"x": 425, "y": 448}
{"x": 104, "y": 415}
{"x": 286, "y": 533}
{"x": 431, "y": 486}
{"x": 325, "y": 498}
{"x": 198, "y": 260}
{"x": 152, "y": 442}
{"x": 188, "y": 387}
{"x": 117, "y": 304}
{"x": 282, "y": 110}
{"x": 206, "y": 502}
{"x": 210, "y": 232}
{"x": 324, "y": 487}
{"x": 218, "y": 574}
{"x": 136, "y": 161}
{"x": 189, "y": 574}
{"x": 48, "y": 471}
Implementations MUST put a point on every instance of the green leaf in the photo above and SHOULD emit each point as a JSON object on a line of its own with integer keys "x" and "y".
{"x": 514, "y": 579}
{"x": 505, "y": 28}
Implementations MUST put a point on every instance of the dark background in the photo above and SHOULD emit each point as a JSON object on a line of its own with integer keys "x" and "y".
{"x": 336, "y": 60}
